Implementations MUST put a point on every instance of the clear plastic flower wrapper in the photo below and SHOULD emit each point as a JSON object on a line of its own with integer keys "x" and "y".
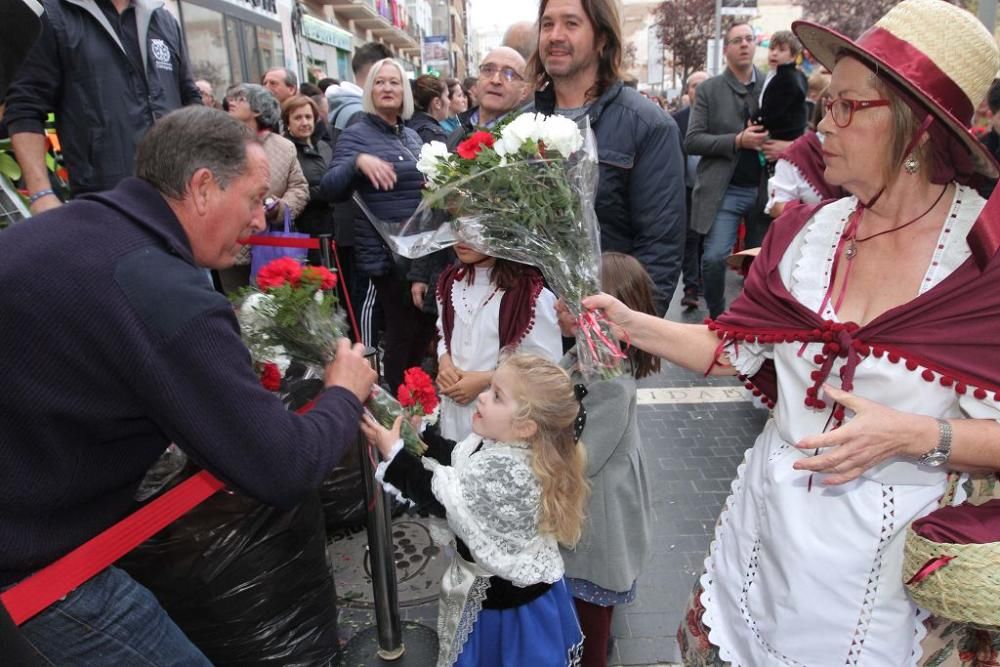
{"x": 290, "y": 323}
{"x": 523, "y": 192}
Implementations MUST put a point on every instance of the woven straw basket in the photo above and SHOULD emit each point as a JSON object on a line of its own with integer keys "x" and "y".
{"x": 967, "y": 589}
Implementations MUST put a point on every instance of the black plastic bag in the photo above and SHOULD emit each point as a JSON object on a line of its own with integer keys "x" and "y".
{"x": 250, "y": 585}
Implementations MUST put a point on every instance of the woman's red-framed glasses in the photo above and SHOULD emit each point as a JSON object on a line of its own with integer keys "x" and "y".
{"x": 842, "y": 110}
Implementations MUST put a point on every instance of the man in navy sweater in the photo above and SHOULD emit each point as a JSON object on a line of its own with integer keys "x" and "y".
{"x": 114, "y": 345}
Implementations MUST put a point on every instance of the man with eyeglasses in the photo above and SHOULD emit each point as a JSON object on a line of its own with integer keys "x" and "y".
{"x": 501, "y": 88}
{"x": 731, "y": 179}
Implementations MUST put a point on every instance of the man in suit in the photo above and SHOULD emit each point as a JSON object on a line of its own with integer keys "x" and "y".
{"x": 691, "y": 266}
{"x": 731, "y": 177}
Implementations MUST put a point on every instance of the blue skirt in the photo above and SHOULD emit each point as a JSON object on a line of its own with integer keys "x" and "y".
{"x": 543, "y": 633}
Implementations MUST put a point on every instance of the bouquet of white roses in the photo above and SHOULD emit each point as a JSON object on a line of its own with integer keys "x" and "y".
{"x": 524, "y": 192}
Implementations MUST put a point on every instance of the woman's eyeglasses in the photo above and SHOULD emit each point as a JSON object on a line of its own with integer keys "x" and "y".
{"x": 488, "y": 71}
{"x": 842, "y": 110}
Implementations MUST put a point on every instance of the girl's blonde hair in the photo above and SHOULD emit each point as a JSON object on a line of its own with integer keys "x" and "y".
{"x": 544, "y": 394}
{"x": 367, "y": 101}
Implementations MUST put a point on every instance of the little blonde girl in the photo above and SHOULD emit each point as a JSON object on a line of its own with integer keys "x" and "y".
{"x": 511, "y": 492}
{"x": 487, "y": 305}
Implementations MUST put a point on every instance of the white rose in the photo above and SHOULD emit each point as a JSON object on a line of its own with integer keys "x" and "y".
{"x": 561, "y": 134}
{"x": 524, "y": 128}
{"x": 251, "y": 311}
{"x": 431, "y": 157}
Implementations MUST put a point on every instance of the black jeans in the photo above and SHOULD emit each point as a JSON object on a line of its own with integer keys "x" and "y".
{"x": 408, "y": 331}
{"x": 691, "y": 266}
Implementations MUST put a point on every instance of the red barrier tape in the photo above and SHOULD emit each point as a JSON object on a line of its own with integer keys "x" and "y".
{"x": 280, "y": 242}
{"x": 54, "y": 582}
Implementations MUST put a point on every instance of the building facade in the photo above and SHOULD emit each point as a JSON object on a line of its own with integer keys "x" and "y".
{"x": 233, "y": 41}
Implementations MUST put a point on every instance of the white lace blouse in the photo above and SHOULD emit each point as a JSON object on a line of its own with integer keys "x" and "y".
{"x": 492, "y": 501}
{"x": 802, "y": 574}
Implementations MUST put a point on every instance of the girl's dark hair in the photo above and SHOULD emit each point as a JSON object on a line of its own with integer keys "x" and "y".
{"x": 623, "y": 277}
{"x": 426, "y": 89}
{"x": 504, "y": 273}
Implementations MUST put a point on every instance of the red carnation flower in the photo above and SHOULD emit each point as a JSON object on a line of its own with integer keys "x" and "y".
{"x": 278, "y": 272}
{"x": 417, "y": 390}
{"x": 270, "y": 376}
{"x": 405, "y": 396}
{"x": 324, "y": 277}
{"x": 470, "y": 148}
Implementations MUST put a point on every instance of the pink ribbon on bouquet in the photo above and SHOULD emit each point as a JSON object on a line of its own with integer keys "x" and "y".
{"x": 589, "y": 323}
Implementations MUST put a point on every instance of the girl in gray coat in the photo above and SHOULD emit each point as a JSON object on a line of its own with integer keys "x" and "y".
{"x": 602, "y": 570}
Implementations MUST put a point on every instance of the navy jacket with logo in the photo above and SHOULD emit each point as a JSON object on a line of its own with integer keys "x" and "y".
{"x": 79, "y": 69}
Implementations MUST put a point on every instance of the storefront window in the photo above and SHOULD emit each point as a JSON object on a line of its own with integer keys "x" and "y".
{"x": 229, "y": 46}
{"x": 206, "y": 42}
{"x": 269, "y": 46}
{"x": 255, "y": 72}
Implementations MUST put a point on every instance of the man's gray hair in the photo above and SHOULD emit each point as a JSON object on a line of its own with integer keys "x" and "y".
{"x": 290, "y": 78}
{"x": 189, "y": 139}
{"x": 262, "y": 103}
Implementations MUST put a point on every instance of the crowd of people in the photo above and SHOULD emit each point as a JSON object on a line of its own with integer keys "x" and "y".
{"x": 861, "y": 187}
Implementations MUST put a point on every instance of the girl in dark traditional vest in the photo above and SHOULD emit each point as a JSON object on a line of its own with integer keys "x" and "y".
{"x": 486, "y": 305}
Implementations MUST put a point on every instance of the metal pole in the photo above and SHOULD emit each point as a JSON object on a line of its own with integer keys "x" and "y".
{"x": 988, "y": 14}
{"x": 717, "y": 53}
{"x": 324, "y": 250}
{"x": 386, "y": 593}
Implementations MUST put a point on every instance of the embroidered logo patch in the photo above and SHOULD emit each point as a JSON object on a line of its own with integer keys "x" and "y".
{"x": 161, "y": 54}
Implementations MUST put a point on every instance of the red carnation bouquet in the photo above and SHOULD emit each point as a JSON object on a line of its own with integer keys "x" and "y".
{"x": 417, "y": 394}
{"x": 290, "y": 323}
{"x": 416, "y": 399}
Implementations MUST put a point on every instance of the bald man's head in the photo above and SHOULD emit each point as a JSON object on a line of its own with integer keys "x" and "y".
{"x": 501, "y": 82}
{"x": 522, "y": 37}
{"x": 694, "y": 80}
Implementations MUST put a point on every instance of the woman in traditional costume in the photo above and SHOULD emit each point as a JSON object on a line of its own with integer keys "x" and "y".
{"x": 871, "y": 326}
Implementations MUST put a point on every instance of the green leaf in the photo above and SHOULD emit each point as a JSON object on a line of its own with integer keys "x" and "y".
{"x": 9, "y": 167}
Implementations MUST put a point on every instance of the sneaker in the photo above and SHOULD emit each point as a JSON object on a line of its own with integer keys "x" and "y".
{"x": 690, "y": 299}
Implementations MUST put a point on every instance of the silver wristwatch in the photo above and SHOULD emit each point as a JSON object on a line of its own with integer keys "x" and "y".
{"x": 939, "y": 455}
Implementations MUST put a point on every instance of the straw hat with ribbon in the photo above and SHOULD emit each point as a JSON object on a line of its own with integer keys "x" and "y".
{"x": 942, "y": 59}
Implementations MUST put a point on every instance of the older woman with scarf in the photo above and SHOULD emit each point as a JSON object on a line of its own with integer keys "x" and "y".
{"x": 254, "y": 106}
{"x": 299, "y": 115}
{"x": 870, "y": 325}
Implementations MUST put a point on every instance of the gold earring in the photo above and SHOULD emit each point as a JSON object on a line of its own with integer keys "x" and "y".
{"x": 911, "y": 165}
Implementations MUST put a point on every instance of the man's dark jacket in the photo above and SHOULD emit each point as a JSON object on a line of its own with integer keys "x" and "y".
{"x": 640, "y": 196}
{"x": 79, "y": 69}
{"x": 115, "y": 345}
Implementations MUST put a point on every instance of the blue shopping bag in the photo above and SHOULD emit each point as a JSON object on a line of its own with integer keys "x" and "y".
{"x": 260, "y": 255}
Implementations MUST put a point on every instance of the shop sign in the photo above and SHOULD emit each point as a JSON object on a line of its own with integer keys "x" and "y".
{"x": 259, "y": 6}
{"x": 434, "y": 52}
{"x": 326, "y": 33}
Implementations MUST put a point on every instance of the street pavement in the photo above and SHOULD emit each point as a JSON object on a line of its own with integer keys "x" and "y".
{"x": 695, "y": 431}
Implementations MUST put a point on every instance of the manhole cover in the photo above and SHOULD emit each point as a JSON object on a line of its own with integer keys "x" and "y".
{"x": 420, "y": 564}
